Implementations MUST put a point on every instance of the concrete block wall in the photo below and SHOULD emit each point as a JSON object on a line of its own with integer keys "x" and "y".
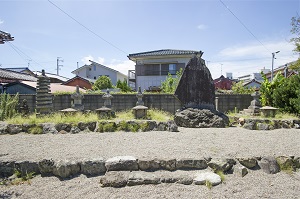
{"x": 120, "y": 102}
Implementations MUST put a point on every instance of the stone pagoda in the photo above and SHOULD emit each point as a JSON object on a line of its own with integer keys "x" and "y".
{"x": 105, "y": 111}
{"x": 77, "y": 100}
{"x": 44, "y": 104}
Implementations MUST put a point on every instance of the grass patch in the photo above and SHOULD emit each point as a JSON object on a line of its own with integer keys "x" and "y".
{"x": 19, "y": 178}
{"x": 221, "y": 174}
{"x": 279, "y": 115}
{"x": 35, "y": 130}
{"x": 208, "y": 184}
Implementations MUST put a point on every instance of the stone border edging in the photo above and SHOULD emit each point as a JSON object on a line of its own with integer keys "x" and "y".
{"x": 98, "y": 126}
{"x": 66, "y": 169}
{"x": 267, "y": 124}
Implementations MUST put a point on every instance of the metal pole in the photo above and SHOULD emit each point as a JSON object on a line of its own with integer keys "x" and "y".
{"x": 273, "y": 56}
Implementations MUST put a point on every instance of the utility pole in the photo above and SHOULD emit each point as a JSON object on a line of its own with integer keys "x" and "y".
{"x": 273, "y": 57}
{"x": 58, "y": 65}
{"x": 221, "y": 69}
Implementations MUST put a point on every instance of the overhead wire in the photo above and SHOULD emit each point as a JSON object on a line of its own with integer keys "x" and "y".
{"x": 244, "y": 25}
{"x": 18, "y": 51}
{"x": 88, "y": 29}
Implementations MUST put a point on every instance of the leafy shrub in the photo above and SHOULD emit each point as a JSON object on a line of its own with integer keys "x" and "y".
{"x": 8, "y": 106}
{"x": 109, "y": 127}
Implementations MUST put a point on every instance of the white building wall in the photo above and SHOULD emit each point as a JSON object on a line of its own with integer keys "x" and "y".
{"x": 146, "y": 81}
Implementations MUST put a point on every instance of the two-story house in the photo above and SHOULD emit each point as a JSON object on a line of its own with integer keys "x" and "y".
{"x": 95, "y": 70}
{"x": 152, "y": 67}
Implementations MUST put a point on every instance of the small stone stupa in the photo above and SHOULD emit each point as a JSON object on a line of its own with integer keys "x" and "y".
{"x": 44, "y": 104}
{"x": 140, "y": 111}
{"x": 196, "y": 91}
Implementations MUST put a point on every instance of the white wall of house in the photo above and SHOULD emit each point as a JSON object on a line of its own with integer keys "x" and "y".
{"x": 121, "y": 76}
{"x": 146, "y": 81}
{"x": 94, "y": 71}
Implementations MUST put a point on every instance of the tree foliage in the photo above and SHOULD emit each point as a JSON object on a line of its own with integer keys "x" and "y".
{"x": 103, "y": 82}
{"x": 267, "y": 89}
{"x": 171, "y": 83}
{"x": 123, "y": 86}
{"x": 238, "y": 88}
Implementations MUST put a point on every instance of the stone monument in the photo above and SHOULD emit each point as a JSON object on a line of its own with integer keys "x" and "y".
{"x": 254, "y": 108}
{"x": 44, "y": 104}
{"x": 23, "y": 108}
{"x": 105, "y": 111}
{"x": 196, "y": 91}
{"x": 140, "y": 111}
{"x": 77, "y": 100}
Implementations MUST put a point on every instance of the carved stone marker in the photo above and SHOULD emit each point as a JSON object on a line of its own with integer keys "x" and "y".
{"x": 140, "y": 111}
{"x": 196, "y": 88}
{"x": 23, "y": 108}
{"x": 196, "y": 91}
{"x": 77, "y": 100}
{"x": 44, "y": 104}
{"x": 105, "y": 111}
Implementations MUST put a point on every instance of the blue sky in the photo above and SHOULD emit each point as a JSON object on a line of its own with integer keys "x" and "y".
{"x": 120, "y": 27}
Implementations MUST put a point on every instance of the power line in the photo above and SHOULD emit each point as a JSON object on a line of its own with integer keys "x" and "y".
{"x": 244, "y": 26}
{"x": 18, "y": 51}
{"x": 87, "y": 28}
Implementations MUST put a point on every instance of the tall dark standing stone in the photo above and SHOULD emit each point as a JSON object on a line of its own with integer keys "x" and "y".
{"x": 44, "y": 104}
{"x": 196, "y": 88}
{"x": 196, "y": 91}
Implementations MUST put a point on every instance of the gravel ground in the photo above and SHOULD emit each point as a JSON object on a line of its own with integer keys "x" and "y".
{"x": 188, "y": 143}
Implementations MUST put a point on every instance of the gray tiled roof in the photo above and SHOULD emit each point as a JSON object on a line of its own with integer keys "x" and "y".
{"x": 12, "y": 75}
{"x": 165, "y": 52}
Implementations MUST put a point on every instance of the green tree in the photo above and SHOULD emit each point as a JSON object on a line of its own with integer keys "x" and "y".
{"x": 286, "y": 96}
{"x": 103, "y": 82}
{"x": 238, "y": 88}
{"x": 296, "y": 40}
{"x": 123, "y": 86}
{"x": 171, "y": 83}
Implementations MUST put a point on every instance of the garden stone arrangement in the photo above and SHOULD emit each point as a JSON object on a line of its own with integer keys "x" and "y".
{"x": 123, "y": 171}
{"x": 196, "y": 91}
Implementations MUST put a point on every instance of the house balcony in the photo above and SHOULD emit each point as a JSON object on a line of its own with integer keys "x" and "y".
{"x": 131, "y": 75}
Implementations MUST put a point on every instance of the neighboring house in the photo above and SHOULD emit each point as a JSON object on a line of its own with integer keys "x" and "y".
{"x": 223, "y": 83}
{"x": 54, "y": 78}
{"x": 24, "y": 70}
{"x": 152, "y": 67}
{"x": 80, "y": 81}
{"x": 252, "y": 84}
{"x": 7, "y": 76}
{"x": 283, "y": 69}
{"x": 250, "y": 77}
{"x": 27, "y": 87}
{"x": 95, "y": 70}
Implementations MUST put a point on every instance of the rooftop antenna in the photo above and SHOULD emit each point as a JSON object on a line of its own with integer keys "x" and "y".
{"x": 58, "y": 65}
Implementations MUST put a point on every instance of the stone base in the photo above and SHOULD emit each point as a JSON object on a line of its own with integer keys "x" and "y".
{"x": 201, "y": 118}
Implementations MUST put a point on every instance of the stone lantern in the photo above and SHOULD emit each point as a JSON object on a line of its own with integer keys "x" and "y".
{"x": 140, "y": 111}
{"x": 105, "y": 111}
{"x": 77, "y": 100}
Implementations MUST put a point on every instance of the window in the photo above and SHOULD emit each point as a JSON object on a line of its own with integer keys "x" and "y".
{"x": 94, "y": 77}
{"x": 172, "y": 69}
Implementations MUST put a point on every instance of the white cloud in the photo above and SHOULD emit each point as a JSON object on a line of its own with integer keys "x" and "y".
{"x": 1, "y": 21}
{"x": 100, "y": 60}
{"x": 201, "y": 27}
{"x": 122, "y": 66}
